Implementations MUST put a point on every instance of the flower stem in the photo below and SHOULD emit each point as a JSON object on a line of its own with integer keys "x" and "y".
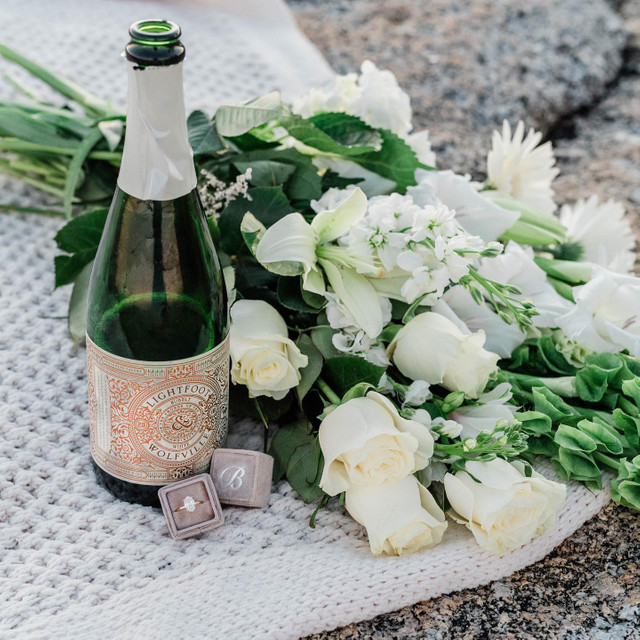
{"x": 329, "y": 393}
{"x": 607, "y": 460}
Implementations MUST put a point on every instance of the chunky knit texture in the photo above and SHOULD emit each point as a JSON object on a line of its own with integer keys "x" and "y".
{"x": 76, "y": 563}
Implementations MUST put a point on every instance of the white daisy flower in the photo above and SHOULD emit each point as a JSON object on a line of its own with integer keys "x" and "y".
{"x": 518, "y": 168}
{"x": 603, "y": 231}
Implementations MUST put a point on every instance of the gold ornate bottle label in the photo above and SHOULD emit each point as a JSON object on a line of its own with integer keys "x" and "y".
{"x": 156, "y": 422}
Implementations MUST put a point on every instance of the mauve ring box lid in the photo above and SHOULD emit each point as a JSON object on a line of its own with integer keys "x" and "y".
{"x": 202, "y": 517}
{"x": 242, "y": 478}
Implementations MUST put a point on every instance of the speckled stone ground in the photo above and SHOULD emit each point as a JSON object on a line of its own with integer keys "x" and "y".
{"x": 571, "y": 69}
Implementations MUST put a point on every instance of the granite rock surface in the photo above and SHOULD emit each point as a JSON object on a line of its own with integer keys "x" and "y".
{"x": 468, "y": 64}
{"x": 572, "y": 70}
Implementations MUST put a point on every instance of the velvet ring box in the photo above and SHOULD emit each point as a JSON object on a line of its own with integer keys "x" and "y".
{"x": 242, "y": 478}
{"x": 191, "y": 506}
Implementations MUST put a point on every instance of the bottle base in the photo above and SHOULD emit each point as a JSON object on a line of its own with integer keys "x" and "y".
{"x": 127, "y": 491}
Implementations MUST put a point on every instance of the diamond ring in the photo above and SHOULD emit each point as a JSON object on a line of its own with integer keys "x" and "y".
{"x": 189, "y": 504}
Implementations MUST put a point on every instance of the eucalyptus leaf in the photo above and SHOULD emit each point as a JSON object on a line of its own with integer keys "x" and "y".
{"x": 310, "y": 373}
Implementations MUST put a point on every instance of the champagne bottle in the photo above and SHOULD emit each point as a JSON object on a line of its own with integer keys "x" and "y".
{"x": 157, "y": 327}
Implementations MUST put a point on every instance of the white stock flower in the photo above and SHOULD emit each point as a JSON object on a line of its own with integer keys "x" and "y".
{"x": 475, "y": 214}
{"x": 458, "y": 305}
{"x": 263, "y": 357}
{"x": 485, "y": 413}
{"x": 400, "y": 517}
{"x": 606, "y": 316}
{"x": 516, "y": 266}
{"x": 603, "y": 231}
{"x": 417, "y": 393}
{"x": 505, "y": 509}
{"x": 517, "y": 167}
{"x": 432, "y": 348}
{"x": 449, "y": 428}
{"x": 381, "y": 103}
{"x": 365, "y": 442}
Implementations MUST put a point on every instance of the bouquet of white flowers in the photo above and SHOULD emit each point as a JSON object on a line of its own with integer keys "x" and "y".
{"x": 419, "y": 337}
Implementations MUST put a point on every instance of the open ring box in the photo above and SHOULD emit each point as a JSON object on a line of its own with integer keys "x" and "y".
{"x": 191, "y": 506}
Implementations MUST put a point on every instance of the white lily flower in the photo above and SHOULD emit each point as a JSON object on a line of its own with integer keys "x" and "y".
{"x": 603, "y": 231}
{"x": 477, "y": 215}
{"x": 519, "y": 168}
{"x": 606, "y": 316}
{"x": 516, "y": 266}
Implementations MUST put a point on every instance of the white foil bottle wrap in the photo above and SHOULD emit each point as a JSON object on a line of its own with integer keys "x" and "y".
{"x": 157, "y": 161}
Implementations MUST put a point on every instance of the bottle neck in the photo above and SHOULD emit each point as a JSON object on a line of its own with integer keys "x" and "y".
{"x": 157, "y": 161}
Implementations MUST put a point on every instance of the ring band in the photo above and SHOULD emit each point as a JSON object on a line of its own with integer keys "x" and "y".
{"x": 189, "y": 504}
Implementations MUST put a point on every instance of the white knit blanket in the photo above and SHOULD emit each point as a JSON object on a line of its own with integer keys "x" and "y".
{"x": 76, "y": 563}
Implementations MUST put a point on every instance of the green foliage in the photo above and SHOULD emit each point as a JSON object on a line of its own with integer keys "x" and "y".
{"x": 344, "y": 372}
{"x": 396, "y": 161}
{"x": 625, "y": 489}
{"x": 203, "y": 135}
{"x": 234, "y": 120}
{"x": 267, "y": 204}
{"x": 314, "y": 366}
{"x": 80, "y": 237}
{"x": 337, "y": 134}
{"x": 298, "y": 457}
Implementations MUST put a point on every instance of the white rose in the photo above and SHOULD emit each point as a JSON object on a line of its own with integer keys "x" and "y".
{"x": 505, "y": 509}
{"x": 430, "y": 347}
{"x": 606, "y": 316}
{"x": 400, "y": 517}
{"x": 263, "y": 358}
{"x": 366, "y": 442}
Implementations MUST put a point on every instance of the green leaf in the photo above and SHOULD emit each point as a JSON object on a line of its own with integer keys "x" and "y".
{"x": 553, "y": 359}
{"x": 266, "y": 173}
{"x": 631, "y": 388}
{"x": 591, "y": 383}
{"x": 629, "y": 426}
{"x": 396, "y": 161}
{"x": 344, "y": 372}
{"x": 314, "y": 366}
{"x": 285, "y": 442}
{"x": 322, "y": 338}
{"x": 305, "y": 184}
{"x": 389, "y": 332}
{"x": 574, "y": 439}
{"x": 305, "y": 470}
{"x": 78, "y": 306}
{"x": 545, "y": 401}
{"x": 74, "y": 169}
{"x": 347, "y": 130}
{"x": 542, "y": 445}
{"x": 534, "y": 422}
{"x": 290, "y": 295}
{"x": 83, "y": 233}
{"x": 335, "y": 133}
{"x": 358, "y": 391}
{"x": 68, "y": 268}
{"x": 605, "y": 438}
{"x": 579, "y": 466}
{"x": 203, "y": 135}
{"x": 234, "y": 120}
{"x": 574, "y": 273}
{"x": 16, "y": 123}
{"x": 267, "y": 204}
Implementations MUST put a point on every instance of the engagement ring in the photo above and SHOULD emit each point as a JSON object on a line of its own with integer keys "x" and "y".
{"x": 189, "y": 504}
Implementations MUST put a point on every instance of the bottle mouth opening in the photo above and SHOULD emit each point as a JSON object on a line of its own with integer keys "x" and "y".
{"x": 155, "y": 32}
{"x": 154, "y": 43}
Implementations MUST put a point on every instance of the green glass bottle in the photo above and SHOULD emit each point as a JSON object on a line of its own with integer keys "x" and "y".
{"x": 157, "y": 327}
